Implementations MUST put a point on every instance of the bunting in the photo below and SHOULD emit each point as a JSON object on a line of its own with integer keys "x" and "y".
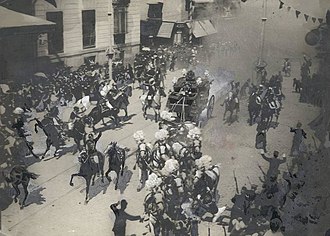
{"x": 281, "y": 4}
{"x": 306, "y": 17}
{"x": 298, "y": 12}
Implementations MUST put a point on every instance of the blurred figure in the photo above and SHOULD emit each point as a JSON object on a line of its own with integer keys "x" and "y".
{"x": 119, "y": 227}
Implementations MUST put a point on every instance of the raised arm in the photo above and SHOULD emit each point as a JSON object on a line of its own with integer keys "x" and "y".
{"x": 266, "y": 158}
{"x": 98, "y": 137}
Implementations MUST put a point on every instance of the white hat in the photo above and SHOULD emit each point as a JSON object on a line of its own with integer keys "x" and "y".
{"x": 170, "y": 166}
{"x": 138, "y": 135}
{"x": 153, "y": 181}
{"x": 204, "y": 161}
{"x": 161, "y": 134}
{"x": 165, "y": 115}
{"x": 194, "y": 132}
{"x": 18, "y": 111}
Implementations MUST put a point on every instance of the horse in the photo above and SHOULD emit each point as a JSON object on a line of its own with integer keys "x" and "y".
{"x": 231, "y": 105}
{"x": 268, "y": 112}
{"x": 77, "y": 132}
{"x": 116, "y": 156}
{"x": 205, "y": 191}
{"x": 52, "y": 134}
{"x": 89, "y": 168}
{"x": 97, "y": 114}
{"x": 121, "y": 101}
{"x": 149, "y": 102}
{"x": 254, "y": 108}
{"x": 143, "y": 158}
{"x": 19, "y": 175}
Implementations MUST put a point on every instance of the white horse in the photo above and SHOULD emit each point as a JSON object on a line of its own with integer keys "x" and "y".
{"x": 151, "y": 102}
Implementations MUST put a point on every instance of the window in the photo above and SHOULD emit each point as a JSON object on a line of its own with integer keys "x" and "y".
{"x": 55, "y": 38}
{"x": 155, "y": 11}
{"x": 88, "y": 28}
{"x": 120, "y": 15}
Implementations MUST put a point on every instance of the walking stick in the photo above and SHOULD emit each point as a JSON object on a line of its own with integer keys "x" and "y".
{"x": 236, "y": 183}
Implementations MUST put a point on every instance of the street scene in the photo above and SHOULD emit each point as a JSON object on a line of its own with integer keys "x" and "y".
{"x": 174, "y": 117}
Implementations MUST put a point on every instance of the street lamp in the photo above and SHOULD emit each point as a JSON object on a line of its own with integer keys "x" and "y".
{"x": 110, "y": 53}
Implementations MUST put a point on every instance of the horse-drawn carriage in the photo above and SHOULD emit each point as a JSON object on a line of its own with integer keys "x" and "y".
{"x": 190, "y": 98}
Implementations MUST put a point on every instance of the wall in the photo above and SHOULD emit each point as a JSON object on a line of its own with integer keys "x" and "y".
{"x": 74, "y": 53}
{"x": 173, "y": 10}
{"x": 72, "y": 29}
{"x": 133, "y": 28}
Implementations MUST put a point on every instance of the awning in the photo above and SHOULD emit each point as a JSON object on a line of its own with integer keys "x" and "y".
{"x": 12, "y": 21}
{"x": 203, "y": 1}
{"x": 203, "y": 28}
{"x": 208, "y": 27}
{"x": 165, "y": 30}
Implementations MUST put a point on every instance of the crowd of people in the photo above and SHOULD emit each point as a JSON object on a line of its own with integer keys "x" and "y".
{"x": 310, "y": 86}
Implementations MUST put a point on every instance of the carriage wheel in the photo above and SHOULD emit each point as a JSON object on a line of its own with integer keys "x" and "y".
{"x": 210, "y": 107}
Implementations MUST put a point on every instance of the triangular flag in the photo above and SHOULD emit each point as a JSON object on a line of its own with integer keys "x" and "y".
{"x": 313, "y": 19}
{"x": 306, "y": 17}
{"x": 320, "y": 20}
{"x": 297, "y": 13}
{"x": 281, "y": 4}
{"x": 289, "y": 8}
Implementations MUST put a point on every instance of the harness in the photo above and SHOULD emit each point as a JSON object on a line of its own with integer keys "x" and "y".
{"x": 161, "y": 150}
{"x": 154, "y": 204}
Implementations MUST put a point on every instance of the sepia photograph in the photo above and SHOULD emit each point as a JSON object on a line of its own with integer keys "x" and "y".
{"x": 165, "y": 117}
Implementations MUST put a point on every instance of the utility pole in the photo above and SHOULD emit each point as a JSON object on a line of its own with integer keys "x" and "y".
{"x": 262, "y": 45}
{"x": 110, "y": 51}
{"x": 261, "y": 64}
{"x": 190, "y": 8}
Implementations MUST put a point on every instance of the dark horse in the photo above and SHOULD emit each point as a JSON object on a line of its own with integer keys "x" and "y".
{"x": 77, "y": 132}
{"x": 89, "y": 168}
{"x": 254, "y": 108}
{"x": 97, "y": 114}
{"x": 117, "y": 156}
{"x": 121, "y": 100}
{"x": 267, "y": 114}
{"x": 52, "y": 134}
{"x": 230, "y": 105}
{"x": 20, "y": 175}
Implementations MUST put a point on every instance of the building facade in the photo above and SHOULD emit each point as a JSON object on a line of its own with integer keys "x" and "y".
{"x": 176, "y": 21}
{"x": 83, "y": 30}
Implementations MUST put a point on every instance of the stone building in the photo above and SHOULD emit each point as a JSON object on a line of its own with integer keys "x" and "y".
{"x": 173, "y": 21}
{"x": 83, "y": 29}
